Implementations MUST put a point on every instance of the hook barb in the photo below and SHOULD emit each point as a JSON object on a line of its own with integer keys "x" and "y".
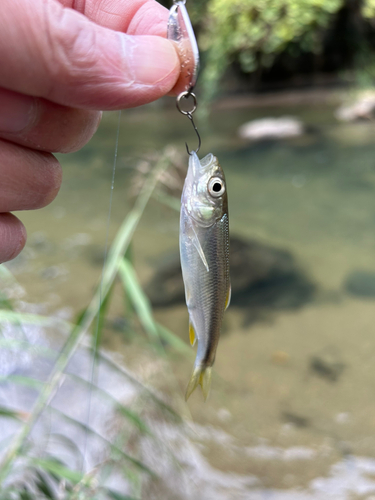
{"x": 196, "y": 131}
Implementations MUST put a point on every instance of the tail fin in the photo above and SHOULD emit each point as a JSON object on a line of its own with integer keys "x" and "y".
{"x": 201, "y": 375}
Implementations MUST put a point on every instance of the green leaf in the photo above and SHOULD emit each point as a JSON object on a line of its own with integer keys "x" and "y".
{"x": 61, "y": 471}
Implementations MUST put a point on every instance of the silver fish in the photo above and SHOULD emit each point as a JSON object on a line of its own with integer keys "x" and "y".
{"x": 204, "y": 250}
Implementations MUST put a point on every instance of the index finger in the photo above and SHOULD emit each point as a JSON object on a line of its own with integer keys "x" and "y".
{"x": 50, "y": 51}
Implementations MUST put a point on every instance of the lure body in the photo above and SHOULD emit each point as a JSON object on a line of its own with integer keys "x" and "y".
{"x": 180, "y": 31}
{"x": 204, "y": 250}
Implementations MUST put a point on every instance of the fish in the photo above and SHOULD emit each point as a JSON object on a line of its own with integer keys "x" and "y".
{"x": 204, "y": 254}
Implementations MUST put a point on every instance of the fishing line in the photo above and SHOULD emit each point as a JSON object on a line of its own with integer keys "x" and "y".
{"x": 179, "y": 30}
{"x": 93, "y": 371}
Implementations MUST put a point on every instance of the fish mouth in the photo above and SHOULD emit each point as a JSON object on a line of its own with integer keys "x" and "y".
{"x": 198, "y": 165}
{"x": 207, "y": 160}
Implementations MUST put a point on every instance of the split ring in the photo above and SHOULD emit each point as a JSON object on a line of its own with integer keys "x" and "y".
{"x": 186, "y": 95}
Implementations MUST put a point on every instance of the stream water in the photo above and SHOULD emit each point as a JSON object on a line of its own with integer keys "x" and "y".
{"x": 291, "y": 414}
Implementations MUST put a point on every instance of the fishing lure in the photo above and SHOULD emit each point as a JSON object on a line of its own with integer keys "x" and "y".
{"x": 204, "y": 222}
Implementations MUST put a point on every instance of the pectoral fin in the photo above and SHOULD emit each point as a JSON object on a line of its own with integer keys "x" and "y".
{"x": 192, "y": 336}
{"x": 229, "y": 295}
{"x": 198, "y": 246}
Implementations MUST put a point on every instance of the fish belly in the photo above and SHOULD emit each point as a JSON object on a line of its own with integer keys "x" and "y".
{"x": 205, "y": 291}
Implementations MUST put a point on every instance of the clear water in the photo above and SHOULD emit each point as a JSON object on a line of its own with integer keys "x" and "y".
{"x": 293, "y": 391}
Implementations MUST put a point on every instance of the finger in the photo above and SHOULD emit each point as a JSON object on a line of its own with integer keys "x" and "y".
{"x": 44, "y": 125}
{"x": 29, "y": 179}
{"x": 12, "y": 237}
{"x": 74, "y": 62}
{"x": 139, "y": 17}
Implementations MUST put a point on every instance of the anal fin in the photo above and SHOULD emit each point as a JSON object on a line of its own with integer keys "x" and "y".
{"x": 229, "y": 295}
{"x": 192, "y": 335}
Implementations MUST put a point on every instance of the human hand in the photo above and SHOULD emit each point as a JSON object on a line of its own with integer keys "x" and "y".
{"x": 60, "y": 62}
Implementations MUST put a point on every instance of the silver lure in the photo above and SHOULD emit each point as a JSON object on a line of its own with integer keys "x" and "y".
{"x": 204, "y": 250}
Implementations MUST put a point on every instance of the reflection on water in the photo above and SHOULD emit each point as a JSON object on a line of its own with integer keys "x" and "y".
{"x": 291, "y": 413}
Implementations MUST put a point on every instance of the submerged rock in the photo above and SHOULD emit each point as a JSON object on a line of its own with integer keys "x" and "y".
{"x": 361, "y": 284}
{"x": 261, "y": 276}
{"x": 362, "y": 109}
{"x": 271, "y": 128}
{"x": 327, "y": 364}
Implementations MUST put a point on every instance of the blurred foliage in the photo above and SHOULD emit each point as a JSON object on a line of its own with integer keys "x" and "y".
{"x": 29, "y": 472}
{"x": 368, "y": 9}
{"x": 253, "y": 33}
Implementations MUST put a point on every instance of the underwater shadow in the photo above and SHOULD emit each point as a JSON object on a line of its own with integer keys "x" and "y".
{"x": 264, "y": 279}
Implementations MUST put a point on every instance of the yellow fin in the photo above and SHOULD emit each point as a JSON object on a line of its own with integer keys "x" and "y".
{"x": 229, "y": 295}
{"x": 200, "y": 376}
{"x": 192, "y": 336}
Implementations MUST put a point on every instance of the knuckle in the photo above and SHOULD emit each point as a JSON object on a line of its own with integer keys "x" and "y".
{"x": 71, "y": 48}
{"x": 48, "y": 181}
{"x": 83, "y": 125}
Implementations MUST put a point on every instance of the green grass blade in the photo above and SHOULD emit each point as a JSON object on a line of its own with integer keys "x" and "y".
{"x": 24, "y": 345}
{"x": 167, "y": 200}
{"x": 32, "y": 383}
{"x": 7, "y": 412}
{"x": 6, "y": 276}
{"x": 116, "y": 253}
{"x": 18, "y": 318}
{"x": 139, "y": 300}
{"x": 44, "y": 487}
{"x": 112, "y": 446}
{"x": 26, "y": 495}
{"x": 54, "y": 467}
{"x": 175, "y": 341}
{"x": 150, "y": 394}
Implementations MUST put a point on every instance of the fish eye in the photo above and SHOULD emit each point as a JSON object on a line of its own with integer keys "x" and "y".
{"x": 216, "y": 187}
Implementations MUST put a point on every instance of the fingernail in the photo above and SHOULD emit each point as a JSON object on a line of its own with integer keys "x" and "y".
{"x": 152, "y": 59}
{"x": 17, "y": 111}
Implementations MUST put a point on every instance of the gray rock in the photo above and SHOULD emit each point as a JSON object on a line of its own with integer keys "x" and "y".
{"x": 271, "y": 128}
{"x": 327, "y": 364}
{"x": 262, "y": 277}
{"x": 362, "y": 109}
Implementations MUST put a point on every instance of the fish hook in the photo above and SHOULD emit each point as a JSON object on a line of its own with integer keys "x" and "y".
{"x": 189, "y": 114}
{"x": 196, "y": 131}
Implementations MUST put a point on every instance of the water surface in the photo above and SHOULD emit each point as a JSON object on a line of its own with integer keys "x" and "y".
{"x": 292, "y": 392}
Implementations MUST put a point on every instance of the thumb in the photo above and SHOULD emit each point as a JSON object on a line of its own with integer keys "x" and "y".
{"x": 50, "y": 51}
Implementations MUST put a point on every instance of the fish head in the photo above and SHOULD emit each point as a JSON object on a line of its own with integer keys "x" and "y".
{"x": 205, "y": 193}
